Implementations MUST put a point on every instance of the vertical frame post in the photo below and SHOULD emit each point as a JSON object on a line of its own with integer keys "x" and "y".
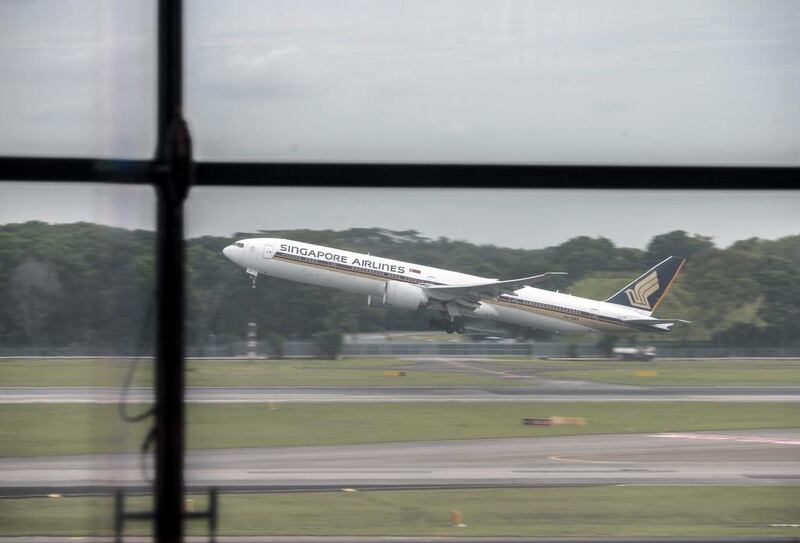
{"x": 119, "y": 515}
{"x": 173, "y": 168}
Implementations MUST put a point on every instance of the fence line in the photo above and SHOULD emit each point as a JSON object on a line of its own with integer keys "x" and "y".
{"x": 292, "y": 349}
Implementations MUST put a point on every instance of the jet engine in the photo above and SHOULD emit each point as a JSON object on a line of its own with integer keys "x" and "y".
{"x": 404, "y": 296}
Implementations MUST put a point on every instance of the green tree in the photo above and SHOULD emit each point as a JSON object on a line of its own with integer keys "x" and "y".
{"x": 606, "y": 344}
{"x": 35, "y": 290}
{"x": 677, "y": 243}
{"x": 781, "y": 308}
{"x": 90, "y": 285}
{"x": 328, "y": 343}
{"x": 275, "y": 342}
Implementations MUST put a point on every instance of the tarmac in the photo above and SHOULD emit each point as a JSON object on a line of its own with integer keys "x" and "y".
{"x": 746, "y": 457}
{"x": 574, "y": 392}
{"x": 768, "y": 456}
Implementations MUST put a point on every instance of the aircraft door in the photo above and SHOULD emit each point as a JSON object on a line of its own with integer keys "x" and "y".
{"x": 269, "y": 251}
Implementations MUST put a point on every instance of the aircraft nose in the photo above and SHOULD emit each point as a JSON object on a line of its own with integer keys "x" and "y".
{"x": 232, "y": 252}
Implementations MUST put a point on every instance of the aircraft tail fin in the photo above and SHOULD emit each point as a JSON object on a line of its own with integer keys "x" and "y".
{"x": 649, "y": 289}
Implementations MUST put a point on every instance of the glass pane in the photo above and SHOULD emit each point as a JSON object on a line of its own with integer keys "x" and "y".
{"x": 76, "y": 341}
{"x": 78, "y": 78}
{"x": 713, "y": 82}
{"x": 342, "y": 396}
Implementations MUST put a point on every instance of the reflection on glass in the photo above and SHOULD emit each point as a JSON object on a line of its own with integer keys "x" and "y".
{"x": 510, "y": 82}
{"x": 76, "y": 341}
{"x": 78, "y": 79}
{"x": 390, "y": 425}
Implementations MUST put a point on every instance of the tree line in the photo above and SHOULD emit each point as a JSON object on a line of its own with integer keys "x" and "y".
{"x": 92, "y": 286}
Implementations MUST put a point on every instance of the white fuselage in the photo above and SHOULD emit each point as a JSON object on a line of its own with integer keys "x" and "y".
{"x": 366, "y": 274}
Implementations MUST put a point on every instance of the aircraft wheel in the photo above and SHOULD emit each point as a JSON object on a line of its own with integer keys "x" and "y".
{"x": 450, "y": 328}
{"x": 460, "y": 328}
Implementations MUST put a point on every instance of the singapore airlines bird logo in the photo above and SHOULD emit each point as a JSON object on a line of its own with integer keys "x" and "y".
{"x": 639, "y": 294}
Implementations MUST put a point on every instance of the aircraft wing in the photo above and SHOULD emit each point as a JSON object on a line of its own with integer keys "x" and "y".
{"x": 481, "y": 291}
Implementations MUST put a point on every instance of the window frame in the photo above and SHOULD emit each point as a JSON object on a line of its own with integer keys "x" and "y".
{"x": 172, "y": 172}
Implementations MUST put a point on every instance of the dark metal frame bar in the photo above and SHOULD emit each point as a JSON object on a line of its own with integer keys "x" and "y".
{"x": 173, "y": 171}
{"x": 234, "y": 174}
{"x": 211, "y": 514}
{"x": 495, "y": 175}
{"x": 172, "y": 176}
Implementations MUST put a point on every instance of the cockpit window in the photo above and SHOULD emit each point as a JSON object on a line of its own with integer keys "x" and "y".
{"x": 239, "y": 244}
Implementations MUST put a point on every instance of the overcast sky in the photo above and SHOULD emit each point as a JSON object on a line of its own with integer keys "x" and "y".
{"x": 631, "y": 81}
{"x": 509, "y": 218}
{"x": 527, "y": 81}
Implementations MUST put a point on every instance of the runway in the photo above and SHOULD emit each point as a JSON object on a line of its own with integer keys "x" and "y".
{"x": 574, "y": 391}
{"x": 720, "y": 458}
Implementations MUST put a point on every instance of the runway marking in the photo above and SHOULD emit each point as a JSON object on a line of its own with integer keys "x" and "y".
{"x": 739, "y": 439}
{"x": 503, "y": 374}
{"x": 571, "y": 457}
{"x": 411, "y": 399}
{"x": 566, "y": 458}
{"x": 332, "y": 470}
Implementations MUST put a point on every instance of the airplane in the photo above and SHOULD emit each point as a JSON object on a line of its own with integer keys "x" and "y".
{"x": 454, "y": 296}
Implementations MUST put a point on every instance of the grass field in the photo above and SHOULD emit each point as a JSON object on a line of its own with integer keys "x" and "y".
{"x": 58, "y": 429}
{"x": 223, "y": 373}
{"x": 669, "y": 372}
{"x": 612, "y": 511}
{"x": 370, "y": 372}
{"x": 722, "y": 372}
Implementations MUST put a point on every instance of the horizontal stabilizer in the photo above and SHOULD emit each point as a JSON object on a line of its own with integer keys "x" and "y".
{"x": 489, "y": 289}
{"x": 654, "y": 325}
{"x": 657, "y": 321}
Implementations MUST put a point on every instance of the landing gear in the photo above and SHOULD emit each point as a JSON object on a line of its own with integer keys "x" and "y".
{"x": 451, "y": 326}
{"x": 253, "y": 276}
{"x": 454, "y": 327}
